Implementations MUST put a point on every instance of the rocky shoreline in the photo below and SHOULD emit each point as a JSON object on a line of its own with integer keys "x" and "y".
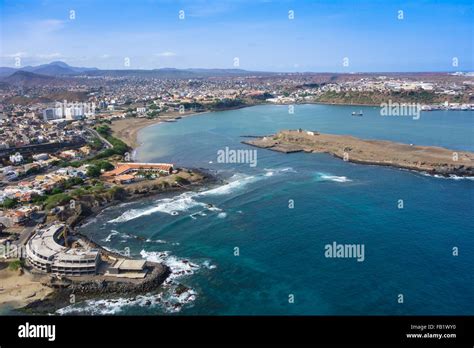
{"x": 430, "y": 159}
{"x": 100, "y": 286}
{"x": 67, "y": 289}
{"x": 89, "y": 207}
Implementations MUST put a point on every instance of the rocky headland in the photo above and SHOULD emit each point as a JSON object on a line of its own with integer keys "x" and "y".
{"x": 430, "y": 159}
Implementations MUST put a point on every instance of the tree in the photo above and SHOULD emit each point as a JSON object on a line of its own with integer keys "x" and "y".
{"x": 56, "y": 190}
{"x": 10, "y": 203}
{"x": 93, "y": 171}
{"x": 58, "y": 199}
{"x": 105, "y": 165}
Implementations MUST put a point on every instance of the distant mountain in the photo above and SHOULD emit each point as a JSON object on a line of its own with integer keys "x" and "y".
{"x": 172, "y": 73}
{"x": 5, "y": 71}
{"x": 61, "y": 69}
{"x": 26, "y": 78}
{"x": 51, "y": 70}
{"x": 56, "y": 68}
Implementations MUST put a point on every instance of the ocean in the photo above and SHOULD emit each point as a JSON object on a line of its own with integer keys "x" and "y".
{"x": 256, "y": 244}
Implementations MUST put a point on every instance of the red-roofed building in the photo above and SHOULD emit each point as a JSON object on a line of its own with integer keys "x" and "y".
{"x": 123, "y": 169}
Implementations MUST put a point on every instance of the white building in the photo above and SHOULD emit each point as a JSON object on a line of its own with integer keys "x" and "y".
{"x": 16, "y": 158}
{"x": 69, "y": 111}
{"x": 46, "y": 253}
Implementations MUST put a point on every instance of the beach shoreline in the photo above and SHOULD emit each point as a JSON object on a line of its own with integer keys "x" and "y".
{"x": 19, "y": 288}
{"x": 127, "y": 129}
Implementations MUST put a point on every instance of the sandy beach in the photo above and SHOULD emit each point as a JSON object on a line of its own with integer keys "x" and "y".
{"x": 17, "y": 290}
{"x": 127, "y": 129}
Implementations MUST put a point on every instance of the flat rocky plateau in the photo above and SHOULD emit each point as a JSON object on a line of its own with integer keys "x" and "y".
{"x": 430, "y": 159}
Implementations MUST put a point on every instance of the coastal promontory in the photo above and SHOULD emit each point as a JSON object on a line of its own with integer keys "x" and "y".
{"x": 430, "y": 159}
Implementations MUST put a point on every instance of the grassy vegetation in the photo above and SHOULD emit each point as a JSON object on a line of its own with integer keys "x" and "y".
{"x": 56, "y": 199}
{"x": 15, "y": 265}
{"x": 227, "y": 103}
{"x": 9, "y": 203}
{"x": 119, "y": 147}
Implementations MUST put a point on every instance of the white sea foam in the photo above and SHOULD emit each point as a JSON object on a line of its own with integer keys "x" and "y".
{"x": 222, "y": 215}
{"x": 237, "y": 181}
{"x": 327, "y": 177}
{"x": 208, "y": 265}
{"x": 121, "y": 252}
{"x": 179, "y": 203}
{"x": 172, "y": 299}
{"x": 187, "y": 200}
{"x": 288, "y": 169}
{"x": 273, "y": 171}
{"x": 450, "y": 177}
{"x": 179, "y": 267}
{"x": 161, "y": 241}
{"x": 214, "y": 208}
{"x": 87, "y": 223}
{"x": 109, "y": 237}
{"x": 335, "y": 178}
{"x": 169, "y": 301}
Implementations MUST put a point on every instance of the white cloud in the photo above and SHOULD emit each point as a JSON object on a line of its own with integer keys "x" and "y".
{"x": 49, "y": 55}
{"x": 14, "y": 55}
{"x": 166, "y": 54}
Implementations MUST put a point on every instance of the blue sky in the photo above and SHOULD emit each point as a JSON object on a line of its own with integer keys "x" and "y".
{"x": 258, "y": 32}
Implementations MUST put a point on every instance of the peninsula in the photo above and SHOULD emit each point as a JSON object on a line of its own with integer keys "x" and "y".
{"x": 430, "y": 159}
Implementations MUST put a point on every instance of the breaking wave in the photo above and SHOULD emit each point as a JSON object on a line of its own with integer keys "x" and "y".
{"x": 179, "y": 267}
{"x": 187, "y": 200}
{"x": 172, "y": 299}
{"x": 169, "y": 206}
{"x": 237, "y": 181}
{"x": 449, "y": 177}
{"x": 109, "y": 237}
{"x": 327, "y": 177}
{"x": 167, "y": 301}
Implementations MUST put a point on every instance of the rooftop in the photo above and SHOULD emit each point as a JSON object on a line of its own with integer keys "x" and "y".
{"x": 45, "y": 243}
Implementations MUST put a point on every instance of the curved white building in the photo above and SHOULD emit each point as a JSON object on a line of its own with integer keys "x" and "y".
{"x": 45, "y": 253}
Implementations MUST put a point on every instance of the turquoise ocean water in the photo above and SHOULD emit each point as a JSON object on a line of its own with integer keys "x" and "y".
{"x": 281, "y": 250}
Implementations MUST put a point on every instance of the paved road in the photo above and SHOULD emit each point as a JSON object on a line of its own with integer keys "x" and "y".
{"x": 105, "y": 141}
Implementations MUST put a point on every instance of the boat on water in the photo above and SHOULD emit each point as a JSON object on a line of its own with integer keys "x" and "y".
{"x": 355, "y": 113}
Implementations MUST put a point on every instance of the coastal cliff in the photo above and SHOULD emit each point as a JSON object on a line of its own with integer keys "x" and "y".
{"x": 430, "y": 159}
